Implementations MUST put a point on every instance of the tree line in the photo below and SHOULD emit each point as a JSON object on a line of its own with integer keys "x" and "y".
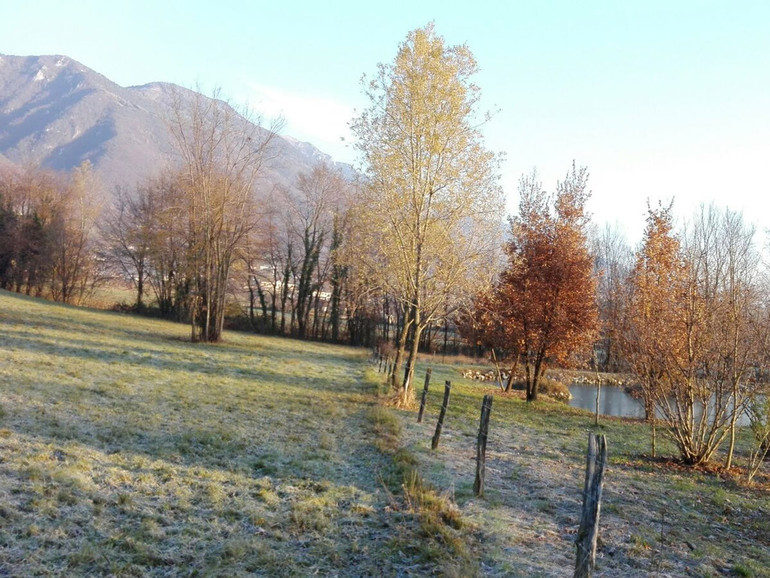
{"x": 47, "y": 240}
{"x": 686, "y": 313}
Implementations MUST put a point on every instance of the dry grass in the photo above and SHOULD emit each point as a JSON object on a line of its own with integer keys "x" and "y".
{"x": 125, "y": 450}
{"x": 658, "y": 518}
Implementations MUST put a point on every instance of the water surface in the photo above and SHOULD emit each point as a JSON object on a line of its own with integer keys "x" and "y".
{"x": 613, "y": 401}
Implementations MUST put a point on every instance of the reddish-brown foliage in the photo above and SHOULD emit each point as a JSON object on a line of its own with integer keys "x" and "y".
{"x": 543, "y": 308}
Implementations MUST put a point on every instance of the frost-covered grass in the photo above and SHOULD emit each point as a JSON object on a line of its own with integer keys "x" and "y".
{"x": 126, "y": 450}
{"x": 657, "y": 516}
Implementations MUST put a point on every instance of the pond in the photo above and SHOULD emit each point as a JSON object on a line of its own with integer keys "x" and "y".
{"x": 614, "y": 401}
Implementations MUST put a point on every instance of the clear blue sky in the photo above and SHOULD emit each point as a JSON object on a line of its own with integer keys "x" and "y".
{"x": 657, "y": 98}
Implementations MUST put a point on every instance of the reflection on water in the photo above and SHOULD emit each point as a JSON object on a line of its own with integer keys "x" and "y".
{"x": 613, "y": 401}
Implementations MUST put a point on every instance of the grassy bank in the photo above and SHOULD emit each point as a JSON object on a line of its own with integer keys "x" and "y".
{"x": 126, "y": 450}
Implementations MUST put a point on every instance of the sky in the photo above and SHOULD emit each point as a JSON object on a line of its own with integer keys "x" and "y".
{"x": 660, "y": 100}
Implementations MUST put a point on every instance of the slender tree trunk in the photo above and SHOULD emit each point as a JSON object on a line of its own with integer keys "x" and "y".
{"x": 262, "y": 303}
{"x": 400, "y": 348}
{"x": 407, "y": 390}
{"x": 140, "y": 288}
{"x": 336, "y": 282}
{"x": 252, "y": 306}
{"x": 733, "y": 421}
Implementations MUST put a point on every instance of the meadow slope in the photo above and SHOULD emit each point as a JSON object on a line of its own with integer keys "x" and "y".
{"x": 126, "y": 450}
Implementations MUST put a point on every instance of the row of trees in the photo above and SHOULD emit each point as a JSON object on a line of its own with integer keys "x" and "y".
{"x": 47, "y": 233}
{"x": 405, "y": 247}
{"x": 686, "y": 313}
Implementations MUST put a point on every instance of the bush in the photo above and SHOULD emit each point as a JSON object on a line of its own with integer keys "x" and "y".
{"x": 553, "y": 388}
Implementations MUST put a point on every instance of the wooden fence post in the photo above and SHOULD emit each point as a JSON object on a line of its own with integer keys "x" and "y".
{"x": 481, "y": 446}
{"x": 440, "y": 423}
{"x": 588, "y": 532}
{"x": 424, "y": 395}
{"x": 380, "y": 368}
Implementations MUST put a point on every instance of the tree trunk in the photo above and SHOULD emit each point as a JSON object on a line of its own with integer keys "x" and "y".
{"x": 733, "y": 420}
{"x": 533, "y": 378}
{"x": 400, "y": 348}
{"x": 407, "y": 391}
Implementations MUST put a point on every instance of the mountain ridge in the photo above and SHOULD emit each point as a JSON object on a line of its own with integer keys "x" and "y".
{"x": 56, "y": 113}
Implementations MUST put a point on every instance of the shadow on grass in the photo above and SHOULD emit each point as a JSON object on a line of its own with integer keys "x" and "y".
{"x": 191, "y": 359}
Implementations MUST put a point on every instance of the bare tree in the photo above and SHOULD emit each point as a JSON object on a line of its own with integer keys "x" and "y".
{"x": 222, "y": 157}
{"x": 144, "y": 236}
{"x": 312, "y": 209}
{"x": 76, "y": 270}
{"x": 724, "y": 245}
{"x": 613, "y": 260}
{"x": 126, "y": 230}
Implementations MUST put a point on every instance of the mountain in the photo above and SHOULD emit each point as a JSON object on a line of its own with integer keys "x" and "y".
{"x": 57, "y": 113}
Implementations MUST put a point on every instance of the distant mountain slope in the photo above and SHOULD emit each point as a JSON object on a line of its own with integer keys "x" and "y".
{"x": 55, "y": 112}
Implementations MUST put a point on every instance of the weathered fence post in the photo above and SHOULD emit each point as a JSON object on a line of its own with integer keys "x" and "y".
{"x": 440, "y": 423}
{"x": 481, "y": 446}
{"x": 382, "y": 357}
{"x": 588, "y": 532}
{"x": 424, "y": 395}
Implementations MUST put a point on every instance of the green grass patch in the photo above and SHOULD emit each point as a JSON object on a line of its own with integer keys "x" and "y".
{"x": 657, "y": 515}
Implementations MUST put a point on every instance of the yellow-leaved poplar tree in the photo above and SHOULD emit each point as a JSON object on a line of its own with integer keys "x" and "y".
{"x": 431, "y": 200}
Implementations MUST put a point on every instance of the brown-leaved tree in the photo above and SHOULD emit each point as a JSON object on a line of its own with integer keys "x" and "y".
{"x": 543, "y": 308}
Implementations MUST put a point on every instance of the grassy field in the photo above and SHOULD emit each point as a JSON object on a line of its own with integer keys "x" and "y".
{"x": 126, "y": 450}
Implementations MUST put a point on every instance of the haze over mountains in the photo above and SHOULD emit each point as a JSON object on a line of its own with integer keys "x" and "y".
{"x": 57, "y": 113}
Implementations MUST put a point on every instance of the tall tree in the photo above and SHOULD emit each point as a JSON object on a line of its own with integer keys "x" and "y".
{"x": 613, "y": 261}
{"x": 650, "y": 319}
{"x": 431, "y": 192}
{"x": 222, "y": 156}
{"x": 144, "y": 235}
{"x": 75, "y": 270}
{"x": 544, "y": 305}
{"x": 126, "y": 230}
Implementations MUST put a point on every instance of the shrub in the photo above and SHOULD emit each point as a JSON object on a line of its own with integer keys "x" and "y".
{"x": 553, "y": 388}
